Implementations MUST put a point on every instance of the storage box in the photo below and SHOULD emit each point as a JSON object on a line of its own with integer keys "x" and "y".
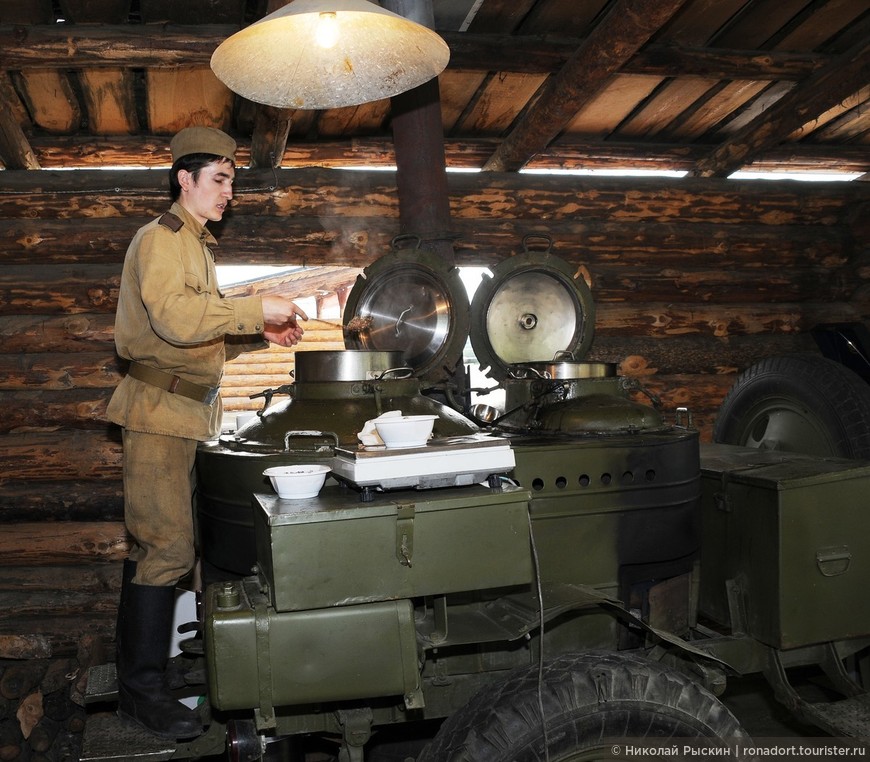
{"x": 334, "y": 550}
{"x": 785, "y": 545}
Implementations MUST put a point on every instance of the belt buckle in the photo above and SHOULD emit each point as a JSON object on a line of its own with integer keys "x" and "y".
{"x": 212, "y": 395}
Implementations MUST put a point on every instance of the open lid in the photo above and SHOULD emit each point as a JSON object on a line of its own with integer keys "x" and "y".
{"x": 534, "y": 308}
{"x": 413, "y": 302}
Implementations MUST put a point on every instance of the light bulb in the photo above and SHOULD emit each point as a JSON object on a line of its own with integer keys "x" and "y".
{"x": 326, "y": 33}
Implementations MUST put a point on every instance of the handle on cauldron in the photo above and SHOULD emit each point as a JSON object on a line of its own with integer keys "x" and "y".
{"x": 406, "y": 237}
{"x": 308, "y": 433}
{"x": 523, "y": 372}
{"x": 267, "y": 395}
{"x": 408, "y": 371}
{"x": 541, "y": 236}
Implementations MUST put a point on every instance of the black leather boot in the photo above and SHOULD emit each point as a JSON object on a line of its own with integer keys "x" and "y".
{"x": 143, "y": 637}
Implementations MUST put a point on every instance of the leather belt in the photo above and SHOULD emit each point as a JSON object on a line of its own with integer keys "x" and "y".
{"x": 173, "y": 384}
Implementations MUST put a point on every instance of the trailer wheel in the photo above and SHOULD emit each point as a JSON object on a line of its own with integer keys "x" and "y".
{"x": 594, "y": 703}
{"x": 798, "y": 403}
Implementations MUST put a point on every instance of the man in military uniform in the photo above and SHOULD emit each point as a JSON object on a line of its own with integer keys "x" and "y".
{"x": 171, "y": 325}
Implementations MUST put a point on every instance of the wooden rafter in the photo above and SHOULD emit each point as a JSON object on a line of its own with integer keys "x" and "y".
{"x": 821, "y": 91}
{"x": 15, "y": 150}
{"x": 628, "y": 25}
{"x": 271, "y": 125}
{"x": 85, "y": 45}
{"x": 153, "y": 151}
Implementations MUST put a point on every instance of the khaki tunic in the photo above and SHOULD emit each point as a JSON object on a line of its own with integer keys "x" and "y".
{"x": 171, "y": 316}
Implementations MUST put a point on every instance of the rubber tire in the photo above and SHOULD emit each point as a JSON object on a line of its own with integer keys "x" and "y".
{"x": 587, "y": 697}
{"x": 798, "y": 403}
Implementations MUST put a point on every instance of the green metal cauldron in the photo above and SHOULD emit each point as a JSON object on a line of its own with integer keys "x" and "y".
{"x": 334, "y": 394}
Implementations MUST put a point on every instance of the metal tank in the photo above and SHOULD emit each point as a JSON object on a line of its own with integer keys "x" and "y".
{"x": 603, "y": 467}
{"x": 425, "y": 588}
{"x": 333, "y": 395}
{"x": 568, "y": 559}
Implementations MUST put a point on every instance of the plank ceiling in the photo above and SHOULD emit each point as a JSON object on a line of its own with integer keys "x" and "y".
{"x": 702, "y": 86}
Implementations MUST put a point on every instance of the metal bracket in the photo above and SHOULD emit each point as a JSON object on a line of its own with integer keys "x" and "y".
{"x": 356, "y": 730}
{"x": 264, "y": 715}
{"x": 405, "y": 533}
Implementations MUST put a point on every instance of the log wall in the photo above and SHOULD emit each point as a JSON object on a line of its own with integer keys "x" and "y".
{"x": 693, "y": 279}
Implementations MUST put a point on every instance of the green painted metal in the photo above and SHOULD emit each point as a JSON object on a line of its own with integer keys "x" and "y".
{"x": 259, "y": 658}
{"x": 335, "y": 551}
{"x": 304, "y": 429}
{"x": 786, "y": 553}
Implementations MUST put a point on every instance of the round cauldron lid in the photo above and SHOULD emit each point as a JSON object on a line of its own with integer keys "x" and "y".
{"x": 410, "y": 301}
{"x": 533, "y": 308}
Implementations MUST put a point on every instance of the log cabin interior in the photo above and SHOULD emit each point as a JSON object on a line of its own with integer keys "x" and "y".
{"x": 612, "y": 129}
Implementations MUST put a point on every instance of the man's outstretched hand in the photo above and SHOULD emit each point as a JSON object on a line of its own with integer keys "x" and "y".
{"x": 281, "y": 316}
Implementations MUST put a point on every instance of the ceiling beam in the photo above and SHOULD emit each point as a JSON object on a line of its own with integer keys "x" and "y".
{"x": 627, "y": 26}
{"x": 271, "y": 125}
{"x": 150, "y": 46}
{"x": 153, "y": 151}
{"x": 823, "y": 90}
{"x": 15, "y": 149}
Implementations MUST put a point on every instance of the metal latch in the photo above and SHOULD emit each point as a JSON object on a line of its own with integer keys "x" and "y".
{"x": 833, "y": 561}
{"x": 405, "y": 533}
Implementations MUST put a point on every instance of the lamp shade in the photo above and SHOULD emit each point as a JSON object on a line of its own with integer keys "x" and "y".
{"x": 318, "y": 54}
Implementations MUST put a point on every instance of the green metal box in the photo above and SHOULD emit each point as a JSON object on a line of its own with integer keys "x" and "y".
{"x": 258, "y": 657}
{"x": 785, "y": 545}
{"x": 334, "y": 550}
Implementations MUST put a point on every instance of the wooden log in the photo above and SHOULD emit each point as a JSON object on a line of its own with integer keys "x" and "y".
{"x": 75, "y": 542}
{"x": 345, "y": 195}
{"x": 839, "y": 79}
{"x": 666, "y": 319}
{"x": 56, "y": 676}
{"x": 15, "y": 149}
{"x": 24, "y": 647}
{"x": 43, "y": 735}
{"x": 692, "y": 354}
{"x": 11, "y": 740}
{"x": 40, "y": 410}
{"x": 64, "y": 289}
{"x": 101, "y": 45}
{"x": 564, "y": 153}
{"x": 20, "y": 679}
{"x": 611, "y": 281}
{"x": 234, "y": 386}
{"x": 702, "y": 395}
{"x": 620, "y": 33}
{"x": 61, "y": 500}
{"x": 63, "y": 632}
{"x": 79, "y": 455}
{"x": 139, "y": 47}
{"x": 33, "y": 333}
{"x": 720, "y": 286}
{"x": 252, "y": 238}
{"x": 29, "y": 603}
{"x": 56, "y": 371}
{"x": 88, "y": 579}
{"x": 58, "y": 705}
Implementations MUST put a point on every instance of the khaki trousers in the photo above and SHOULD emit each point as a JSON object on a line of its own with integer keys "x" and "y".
{"x": 158, "y": 505}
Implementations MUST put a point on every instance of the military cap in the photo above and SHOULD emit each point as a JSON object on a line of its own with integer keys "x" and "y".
{"x": 202, "y": 140}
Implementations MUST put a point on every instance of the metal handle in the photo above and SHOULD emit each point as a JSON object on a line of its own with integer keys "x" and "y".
{"x": 308, "y": 433}
{"x": 833, "y": 562}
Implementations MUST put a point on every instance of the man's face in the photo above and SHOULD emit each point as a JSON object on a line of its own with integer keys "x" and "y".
{"x": 208, "y": 196}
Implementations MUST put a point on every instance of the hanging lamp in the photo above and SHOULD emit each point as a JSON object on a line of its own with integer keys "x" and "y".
{"x": 319, "y": 54}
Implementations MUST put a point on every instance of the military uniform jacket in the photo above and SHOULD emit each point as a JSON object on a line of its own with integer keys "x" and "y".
{"x": 171, "y": 316}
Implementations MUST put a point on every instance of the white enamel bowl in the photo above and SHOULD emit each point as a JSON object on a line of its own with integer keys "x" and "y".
{"x": 297, "y": 482}
{"x": 405, "y": 430}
